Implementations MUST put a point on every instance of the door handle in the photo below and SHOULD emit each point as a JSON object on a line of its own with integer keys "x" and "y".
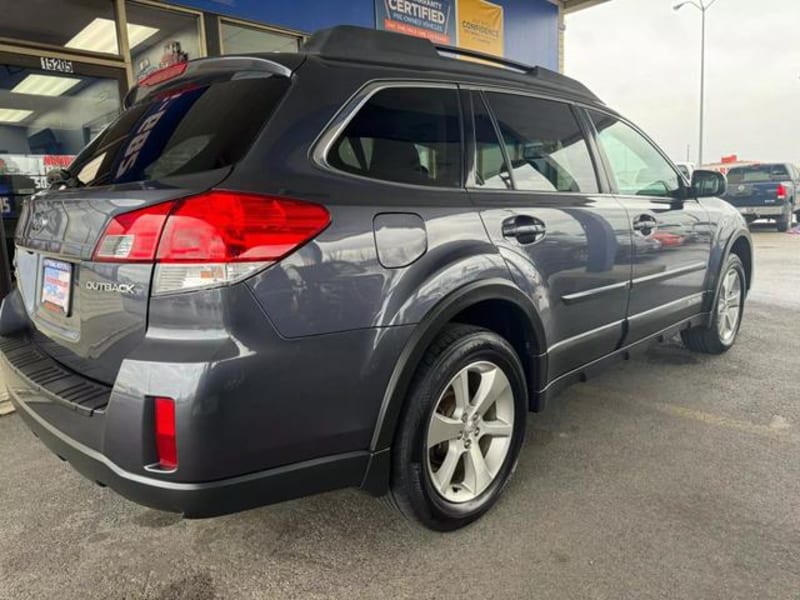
{"x": 525, "y": 229}
{"x": 645, "y": 224}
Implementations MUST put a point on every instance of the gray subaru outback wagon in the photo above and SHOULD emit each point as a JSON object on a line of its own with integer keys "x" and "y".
{"x": 358, "y": 265}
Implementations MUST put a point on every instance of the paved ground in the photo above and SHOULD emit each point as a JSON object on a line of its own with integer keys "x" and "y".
{"x": 673, "y": 476}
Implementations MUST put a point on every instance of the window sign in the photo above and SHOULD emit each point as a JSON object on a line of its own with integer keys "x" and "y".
{"x": 431, "y": 19}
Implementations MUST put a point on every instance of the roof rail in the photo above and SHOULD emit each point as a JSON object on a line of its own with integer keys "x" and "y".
{"x": 348, "y": 42}
{"x": 489, "y": 59}
{"x": 359, "y": 43}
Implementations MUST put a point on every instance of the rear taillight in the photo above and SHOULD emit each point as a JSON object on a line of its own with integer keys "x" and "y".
{"x": 166, "y": 440}
{"x": 211, "y": 239}
{"x": 781, "y": 192}
{"x": 133, "y": 236}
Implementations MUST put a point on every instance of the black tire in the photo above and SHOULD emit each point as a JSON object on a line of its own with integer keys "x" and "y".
{"x": 412, "y": 491}
{"x": 707, "y": 340}
{"x": 785, "y": 221}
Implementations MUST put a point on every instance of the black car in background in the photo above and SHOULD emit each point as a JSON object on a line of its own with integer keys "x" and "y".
{"x": 358, "y": 265}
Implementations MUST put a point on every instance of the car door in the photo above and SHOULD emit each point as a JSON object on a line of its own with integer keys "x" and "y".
{"x": 566, "y": 245}
{"x": 671, "y": 232}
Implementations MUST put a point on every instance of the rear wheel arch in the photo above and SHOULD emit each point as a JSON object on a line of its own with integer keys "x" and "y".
{"x": 473, "y": 304}
{"x": 743, "y": 248}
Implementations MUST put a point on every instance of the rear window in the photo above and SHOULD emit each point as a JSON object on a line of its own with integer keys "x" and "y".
{"x": 758, "y": 174}
{"x": 181, "y": 132}
{"x": 406, "y": 135}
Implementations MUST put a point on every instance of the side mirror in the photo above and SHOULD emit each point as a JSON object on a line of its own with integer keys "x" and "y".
{"x": 706, "y": 184}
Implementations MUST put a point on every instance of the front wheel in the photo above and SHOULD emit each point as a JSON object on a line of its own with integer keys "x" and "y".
{"x": 726, "y": 319}
{"x": 462, "y": 430}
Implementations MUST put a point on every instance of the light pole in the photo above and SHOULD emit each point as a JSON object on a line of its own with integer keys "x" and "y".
{"x": 702, "y": 6}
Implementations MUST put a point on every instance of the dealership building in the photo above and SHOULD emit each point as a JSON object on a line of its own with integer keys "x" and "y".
{"x": 65, "y": 66}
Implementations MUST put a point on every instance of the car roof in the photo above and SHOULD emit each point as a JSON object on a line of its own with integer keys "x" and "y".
{"x": 359, "y": 45}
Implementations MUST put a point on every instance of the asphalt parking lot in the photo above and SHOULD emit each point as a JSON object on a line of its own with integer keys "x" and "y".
{"x": 672, "y": 476}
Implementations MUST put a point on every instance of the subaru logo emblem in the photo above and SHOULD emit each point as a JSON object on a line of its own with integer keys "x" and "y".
{"x": 38, "y": 222}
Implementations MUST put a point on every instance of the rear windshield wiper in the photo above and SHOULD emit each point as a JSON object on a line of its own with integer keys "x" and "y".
{"x": 62, "y": 178}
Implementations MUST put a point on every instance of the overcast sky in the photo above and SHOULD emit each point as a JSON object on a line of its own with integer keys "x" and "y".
{"x": 643, "y": 59}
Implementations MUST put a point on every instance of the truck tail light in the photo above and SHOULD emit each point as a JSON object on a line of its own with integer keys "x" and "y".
{"x": 781, "y": 192}
{"x": 166, "y": 441}
{"x": 211, "y": 239}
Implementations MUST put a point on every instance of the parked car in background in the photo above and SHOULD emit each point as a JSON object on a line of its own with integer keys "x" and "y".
{"x": 365, "y": 275}
{"x": 687, "y": 168}
{"x": 765, "y": 191}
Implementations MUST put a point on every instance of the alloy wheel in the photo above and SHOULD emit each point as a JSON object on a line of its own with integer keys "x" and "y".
{"x": 729, "y": 306}
{"x": 469, "y": 433}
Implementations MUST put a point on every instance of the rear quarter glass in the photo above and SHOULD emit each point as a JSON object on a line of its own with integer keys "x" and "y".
{"x": 183, "y": 131}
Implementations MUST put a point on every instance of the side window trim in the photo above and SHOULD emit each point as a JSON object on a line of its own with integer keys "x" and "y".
{"x": 601, "y": 168}
{"x": 479, "y": 96}
{"x": 331, "y": 132}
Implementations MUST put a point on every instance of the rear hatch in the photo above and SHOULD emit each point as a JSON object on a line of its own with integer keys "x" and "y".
{"x": 757, "y": 185}
{"x": 86, "y": 247}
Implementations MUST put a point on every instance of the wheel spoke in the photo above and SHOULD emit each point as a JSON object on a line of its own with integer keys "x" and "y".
{"x": 461, "y": 389}
{"x": 734, "y": 315}
{"x": 477, "y": 475}
{"x": 492, "y": 385}
{"x": 496, "y": 428}
{"x": 443, "y": 478}
{"x": 730, "y": 284}
{"x": 442, "y": 429}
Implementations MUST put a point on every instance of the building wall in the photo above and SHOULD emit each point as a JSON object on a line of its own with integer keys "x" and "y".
{"x": 531, "y": 26}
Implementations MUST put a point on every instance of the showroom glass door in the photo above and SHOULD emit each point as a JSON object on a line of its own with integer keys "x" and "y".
{"x": 50, "y": 108}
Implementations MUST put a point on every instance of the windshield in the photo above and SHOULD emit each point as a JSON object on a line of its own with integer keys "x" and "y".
{"x": 758, "y": 174}
{"x": 181, "y": 132}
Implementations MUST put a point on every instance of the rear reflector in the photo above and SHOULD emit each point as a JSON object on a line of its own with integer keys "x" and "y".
{"x": 781, "y": 192}
{"x": 166, "y": 442}
{"x": 210, "y": 239}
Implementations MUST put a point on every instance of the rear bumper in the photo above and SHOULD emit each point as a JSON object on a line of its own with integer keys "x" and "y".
{"x": 761, "y": 212}
{"x": 259, "y": 418}
{"x": 192, "y": 499}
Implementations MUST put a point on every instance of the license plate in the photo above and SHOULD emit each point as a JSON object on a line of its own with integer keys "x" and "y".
{"x": 56, "y": 285}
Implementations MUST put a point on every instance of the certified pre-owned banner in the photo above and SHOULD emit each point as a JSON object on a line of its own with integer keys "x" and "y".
{"x": 432, "y": 19}
{"x": 480, "y": 26}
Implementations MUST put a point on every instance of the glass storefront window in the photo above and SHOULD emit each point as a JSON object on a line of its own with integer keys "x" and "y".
{"x": 168, "y": 37}
{"x": 86, "y": 25}
{"x": 240, "y": 39}
{"x": 46, "y": 118}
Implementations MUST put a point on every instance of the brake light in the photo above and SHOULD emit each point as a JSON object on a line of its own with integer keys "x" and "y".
{"x": 230, "y": 227}
{"x": 166, "y": 440}
{"x": 211, "y": 239}
{"x": 165, "y": 74}
{"x": 133, "y": 236}
{"x": 781, "y": 192}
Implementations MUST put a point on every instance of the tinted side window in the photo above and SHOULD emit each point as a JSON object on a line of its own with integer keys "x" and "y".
{"x": 637, "y": 167}
{"x": 491, "y": 170}
{"x": 545, "y": 145}
{"x": 407, "y": 135}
